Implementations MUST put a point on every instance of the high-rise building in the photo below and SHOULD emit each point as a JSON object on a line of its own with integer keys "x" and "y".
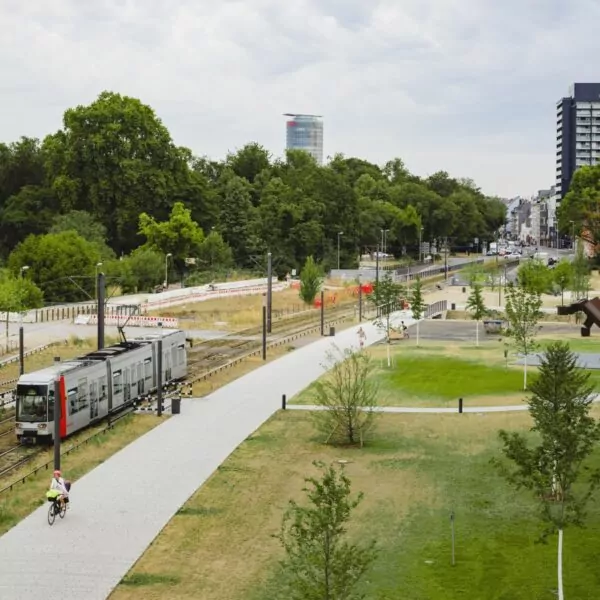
{"x": 577, "y": 133}
{"x": 305, "y": 132}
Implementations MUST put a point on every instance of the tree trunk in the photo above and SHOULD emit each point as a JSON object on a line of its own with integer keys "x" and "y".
{"x": 561, "y": 595}
{"x": 525, "y": 373}
{"x": 389, "y": 358}
{"x": 477, "y": 333}
{"x": 418, "y": 332}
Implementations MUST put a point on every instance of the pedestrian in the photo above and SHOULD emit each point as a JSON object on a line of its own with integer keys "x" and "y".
{"x": 362, "y": 336}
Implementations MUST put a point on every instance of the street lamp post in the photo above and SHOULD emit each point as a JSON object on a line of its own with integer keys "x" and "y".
{"x": 167, "y": 269}
{"x": 573, "y": 235}
{"x": 420, "y": 242}
{"x": 21, "y": 332}
{"x": 98, "y": 265}
{"x": 383, "y": 240}
{"x": 340, "y": 233}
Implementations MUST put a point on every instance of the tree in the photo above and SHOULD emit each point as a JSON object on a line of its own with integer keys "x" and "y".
{"x": 580, "y": 282}
{"x": 580, "y": 207}
{"x": 417, "y": 303}
{"x": 535, "y": 277}
{"x": 115, "y": 159}
{"x": 557, "y": 468}
{"x": 84, "y": 224}
{"x": 215, "y": 253}
{"x": 385, "y": 297}
{"x": 63, "y": 265}
{"x": 563, "y": 277}
{"x": 476, "y": 304}
{"x": 180, "y": 236}
{"x": 17, "y": 295}
{"x": 523, "y": 314}
{"x": 349, "y": 395}
{"x": 320, "y": 564}
{"x": 311, "y": 280}
{"x": 140, "y": 271}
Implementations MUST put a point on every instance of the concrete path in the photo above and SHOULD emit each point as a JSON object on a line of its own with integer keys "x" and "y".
{"x": 85, "y": 555}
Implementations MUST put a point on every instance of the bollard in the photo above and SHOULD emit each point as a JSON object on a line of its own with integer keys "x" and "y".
{"x": 460, "y": 405}
{"x": 283, "y": 401}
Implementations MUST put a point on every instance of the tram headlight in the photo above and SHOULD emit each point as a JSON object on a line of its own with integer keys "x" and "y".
{"x": 42, "y": 425}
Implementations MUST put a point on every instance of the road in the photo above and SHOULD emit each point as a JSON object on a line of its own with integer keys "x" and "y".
{"x": 462, "y": 331}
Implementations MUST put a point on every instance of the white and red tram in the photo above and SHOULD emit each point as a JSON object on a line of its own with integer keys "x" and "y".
{"x": 95, "y": 385}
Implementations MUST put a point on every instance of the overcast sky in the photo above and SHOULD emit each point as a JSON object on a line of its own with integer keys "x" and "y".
{"x": 467, "y": 86}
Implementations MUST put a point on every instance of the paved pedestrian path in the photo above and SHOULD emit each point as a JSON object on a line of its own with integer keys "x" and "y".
{"x": 121, "y": 506}
{"x": 431, "y": 410}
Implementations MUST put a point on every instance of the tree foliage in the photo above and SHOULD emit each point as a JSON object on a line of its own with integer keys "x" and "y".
{"x": 580, "y": 280}
{"x": 319, "y": 562}
{"x": 523, "y": 315}
{"x": 349, "y": 394}
{"x": 62, "y": 265}
{"x": 115, "y": 160}
{"x": 580, "y": 208}
{"x": 557, "y": 468}
{"x": 311, "y": 280}
{"x": 385, "y": 298}
{"x": 535, "y": 277}
{"x": 563, "y": 277}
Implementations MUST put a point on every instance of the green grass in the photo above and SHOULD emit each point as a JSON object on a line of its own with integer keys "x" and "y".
{"x": 447, "y": 378}
{"x": 497, "y": 557}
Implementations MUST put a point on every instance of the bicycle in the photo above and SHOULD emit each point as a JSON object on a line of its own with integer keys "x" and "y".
{"x": 56, "y": 508}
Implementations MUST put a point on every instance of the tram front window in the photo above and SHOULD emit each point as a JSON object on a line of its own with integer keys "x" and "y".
{"x": 32, "y": 403}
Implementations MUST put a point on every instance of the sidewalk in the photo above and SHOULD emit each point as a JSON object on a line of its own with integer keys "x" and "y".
{"x": 85, "y": 555}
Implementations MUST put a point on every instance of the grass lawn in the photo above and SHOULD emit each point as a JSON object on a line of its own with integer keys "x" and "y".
{"x": 414, "y": 472}
{"x": 439, "y": 373}
{"x": 25, "y": 498}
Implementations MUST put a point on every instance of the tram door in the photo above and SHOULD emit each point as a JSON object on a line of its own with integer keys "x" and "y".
{"x": 93, "y": 400}
{"x": 126, "y": 386}
{"x": 140, "y": 380}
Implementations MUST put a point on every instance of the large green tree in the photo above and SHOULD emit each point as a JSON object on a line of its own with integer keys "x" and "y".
{"x": 62, "y": 265}
{"x": 115, "y": 159}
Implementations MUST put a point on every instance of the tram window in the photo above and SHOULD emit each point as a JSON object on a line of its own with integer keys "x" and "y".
{"x": 117, "y": 383}
{"x": 72, "y": 401}
{"x": 181, "y": 355}
{"x": 148, "y": 368}
{"x": 103, "y": 390}
{"x": 82, "y": 397}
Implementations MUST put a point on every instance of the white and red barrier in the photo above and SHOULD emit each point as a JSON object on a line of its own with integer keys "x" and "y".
{"x": 135, "y": 321}
{"x": 202, "y": 294}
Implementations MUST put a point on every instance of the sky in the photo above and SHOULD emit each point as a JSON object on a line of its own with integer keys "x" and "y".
{"x": 465, "y": 86}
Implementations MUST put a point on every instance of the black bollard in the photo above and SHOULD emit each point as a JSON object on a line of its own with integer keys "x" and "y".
{"x": 460, "y": 405}
{"x": 283, "y": 401}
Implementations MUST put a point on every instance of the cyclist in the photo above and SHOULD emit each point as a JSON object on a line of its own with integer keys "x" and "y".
{"x": 58, "y": 488}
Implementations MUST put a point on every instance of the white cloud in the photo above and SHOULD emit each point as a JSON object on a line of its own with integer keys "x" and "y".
{"x": 463, "y": 85}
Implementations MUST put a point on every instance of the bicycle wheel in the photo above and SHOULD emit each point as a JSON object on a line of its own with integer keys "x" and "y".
{"x": 62, "y": 510}
{"x": 51, "y": 514}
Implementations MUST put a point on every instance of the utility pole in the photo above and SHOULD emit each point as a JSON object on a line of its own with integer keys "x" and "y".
{"x": 340, "y": 233}
{"x": 57, "y": 415}
{"x": 359, "y": 299}
{"x": 159, "y": 381}
{"x": 446, "y": 258}
{"x": 100, "y": 309}
{"x": 269, "y": 290}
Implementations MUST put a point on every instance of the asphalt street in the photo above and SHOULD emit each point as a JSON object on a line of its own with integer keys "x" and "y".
{"x": 462, "y": 331}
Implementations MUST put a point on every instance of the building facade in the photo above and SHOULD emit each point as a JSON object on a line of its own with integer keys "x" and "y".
{"x": 305, "y": 132}
{"x": 577, "y": 133}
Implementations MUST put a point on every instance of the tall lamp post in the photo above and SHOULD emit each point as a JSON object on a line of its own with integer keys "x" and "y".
{"x": 573, "y": 235}
{"x": 420, "y": 242}
{"x": 98, "y": 265}
{"x": 340, "y": 234}
{"x": 167, "y": 269}
{"x": 21, "y": 333}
